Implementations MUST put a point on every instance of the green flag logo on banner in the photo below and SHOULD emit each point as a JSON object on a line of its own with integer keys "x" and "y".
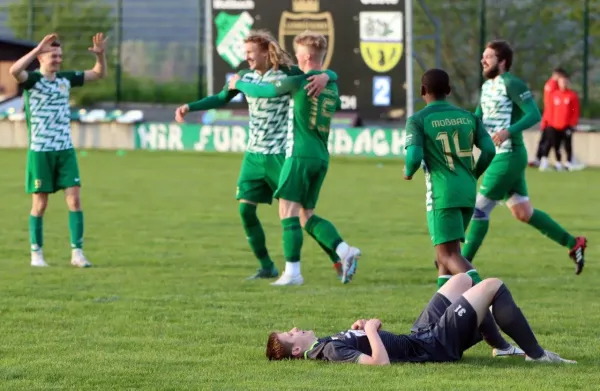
{"x": 231, "y": 32}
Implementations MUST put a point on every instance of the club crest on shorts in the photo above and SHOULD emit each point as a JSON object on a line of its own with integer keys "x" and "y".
{"x": 305, "y": 15}
{"x": 37, "y": 183}
{"x": 381, "y": 39}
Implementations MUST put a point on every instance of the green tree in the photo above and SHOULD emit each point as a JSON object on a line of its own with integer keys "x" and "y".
{"x": 75, "y": 22}
{"x": 543, "y": 33}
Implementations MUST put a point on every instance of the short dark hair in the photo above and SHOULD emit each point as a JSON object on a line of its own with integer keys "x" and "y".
{"x": 561, "y": 72}
{"x": 504, "y": 52}
{"x": 55, "y": 44}
{"x": 436, "y": 82}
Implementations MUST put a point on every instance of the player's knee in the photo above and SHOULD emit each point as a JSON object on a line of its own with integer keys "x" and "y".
{"x": 289, "y": 209}
{"x": 464, "y": 280}
{"x": 491, "y": 286}
{"x": 39, "y": 204}
{"x": 520, "y": 208}
{"x": 73, "y": 202}
{"x": 305, "y": 215}
{"x": 483, "y": 207}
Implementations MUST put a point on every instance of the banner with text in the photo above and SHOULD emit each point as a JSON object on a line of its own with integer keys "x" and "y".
{"x": 372, "y": 142}
{"x": 366, "y": 45}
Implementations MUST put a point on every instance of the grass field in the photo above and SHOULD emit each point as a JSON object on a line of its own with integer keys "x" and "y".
{"x": 167, "y": 307}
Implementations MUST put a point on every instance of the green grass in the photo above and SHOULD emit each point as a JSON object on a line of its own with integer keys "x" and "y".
{"x": 167, "y": 307}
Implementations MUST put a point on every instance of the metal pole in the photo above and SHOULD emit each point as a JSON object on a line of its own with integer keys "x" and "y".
{"x": 482, "y": 31}
{"x": 586, "y": 38}
{"x": 30, "y": 22}
{"x": 208, "y": 46}
{"x": 408, "y": 15}
{"x": 201, "y": 54}
{"x": 119, "y": 41}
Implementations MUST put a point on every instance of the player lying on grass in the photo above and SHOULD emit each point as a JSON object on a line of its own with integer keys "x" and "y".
{"x": 441, "y": 138}
{"x": 446, "y": 328}
{"x": 307, "y": 158}
{"x": 51, "y": 158}
{"x": 507, "y": 108}
{"x": 265, "y": 152}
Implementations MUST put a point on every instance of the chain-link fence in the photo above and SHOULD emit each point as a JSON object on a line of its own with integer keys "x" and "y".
{"x": 544, "y": 34}
{"x": 155, "y": 47}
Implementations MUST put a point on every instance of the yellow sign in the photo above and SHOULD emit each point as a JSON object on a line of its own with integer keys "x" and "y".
{"x": 305, "y": 15}
{"x": 381, "y": 39}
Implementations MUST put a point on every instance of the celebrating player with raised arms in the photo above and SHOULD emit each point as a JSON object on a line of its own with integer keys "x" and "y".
{"x": 307, "y": 158}
{"x": 51, "y": 158}
{"x": 265, "y": 152}
{"x": 442, "y": 136}
{"x": 507, "y": 108}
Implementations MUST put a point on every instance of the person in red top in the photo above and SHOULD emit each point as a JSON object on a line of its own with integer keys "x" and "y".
{"x": 560, "y": 121}
{"x": 549, "y": 88}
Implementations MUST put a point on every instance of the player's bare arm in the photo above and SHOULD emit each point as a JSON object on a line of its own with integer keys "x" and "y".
{"x": 18, "y": 69}
{"x": 379, "y": 355}
{"x": 99, "y": 49}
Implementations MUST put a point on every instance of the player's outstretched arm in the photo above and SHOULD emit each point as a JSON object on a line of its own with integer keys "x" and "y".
{"x": 99, "y": 49}
{"x": 414, "y": 148}
{"x": 522, "y": 97}
{"x": 18, "y": 69}
{"x": 484, "y": 142}
{"x": 270, "y": 90}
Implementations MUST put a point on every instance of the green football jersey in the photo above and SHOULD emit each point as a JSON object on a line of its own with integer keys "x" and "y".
{"x": 447, "y": 134}
{"x": 47, "y": 110}
{"x": 504, "y": 101}
{"x": 309, "y": 118}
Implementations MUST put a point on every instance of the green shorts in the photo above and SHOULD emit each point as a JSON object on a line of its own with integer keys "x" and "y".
{"x": 259, "y": 176}
{"x": 505, "y": 176}
{"x": 301, "y": 180}
{"x": 449, "y": 224}
{"x": 49, "y": 172}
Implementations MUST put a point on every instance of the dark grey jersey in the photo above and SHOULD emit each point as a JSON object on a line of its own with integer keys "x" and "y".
{"x": 348, "y": 346}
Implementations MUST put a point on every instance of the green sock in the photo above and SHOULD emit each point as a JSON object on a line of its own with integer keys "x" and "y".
{"x": 477, "y": 231}
{"x": 36, "y": 232}
{"x": 550, "y": 228}
{"x": 255, "y": 235}
{"x": 292, "y": 239}
{"x": 441, "y": 280}
{"x": 324, "y": 232}
{"x": 330, "y": 253}
{"x": 474, "y": 276}
{"x": 76, "y": 228}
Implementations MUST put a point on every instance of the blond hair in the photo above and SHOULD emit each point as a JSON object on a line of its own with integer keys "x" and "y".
{"x": 317, "y": 43}
{"x": 267, "y": 43}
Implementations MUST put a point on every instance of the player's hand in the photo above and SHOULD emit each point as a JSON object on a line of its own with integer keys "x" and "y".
{"x": 372, "y": 325}
{"x": 180, "y": 113}
{"x": 232, "y": 81}
{"x": 98, "y": 44}
{"x": 316, "y": 85}
{"x": 406, "y": 177}
{"x": 44, "y": 45}
{"x": 500, "y": 137}
{"x": 359, "y": 324}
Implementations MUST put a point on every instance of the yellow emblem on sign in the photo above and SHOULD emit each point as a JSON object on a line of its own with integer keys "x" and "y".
{"x": 381, "y": 39}
{"x": 305, "y": 15}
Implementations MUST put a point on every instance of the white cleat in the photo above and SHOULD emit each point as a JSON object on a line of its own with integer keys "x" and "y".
{"x": 551, "y": 357}
{"x": 37, "y": 259}
{"x": 511, "y": 351}
{"x": 349, "y": 264}
{"x": 79, "y": 260}
{"x": 288, "y": 279}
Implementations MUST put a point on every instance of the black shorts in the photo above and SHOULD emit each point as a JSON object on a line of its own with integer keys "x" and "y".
{"x": 453, "y": 327}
